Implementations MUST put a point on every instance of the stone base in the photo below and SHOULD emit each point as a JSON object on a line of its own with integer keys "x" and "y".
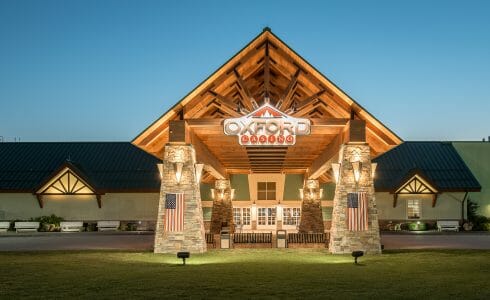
{"x": 192, "y": 238}
{"x": 342, "y": 240}
{"x": 311, "y": 217}
{"x": 222, "y": 214}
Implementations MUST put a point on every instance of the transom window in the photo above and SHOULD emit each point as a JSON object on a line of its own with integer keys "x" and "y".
{"x": 266, "y": 216}
{"x": 291, "y": 215}
{"x": 241, "y": 215}
{"x": 414, "y": 208}
{"x": 266, "y": 190}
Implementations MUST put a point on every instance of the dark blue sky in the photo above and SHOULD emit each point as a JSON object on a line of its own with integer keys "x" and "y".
{"x": 104, "y": 70}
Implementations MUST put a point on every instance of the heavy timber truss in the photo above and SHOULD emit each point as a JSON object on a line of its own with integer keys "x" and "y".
{"x": 267, "y": 70}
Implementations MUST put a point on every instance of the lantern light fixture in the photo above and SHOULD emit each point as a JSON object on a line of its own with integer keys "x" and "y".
{"x": 373, "y": 169}
{"x": 356, "y": 166}
{"x": 198, "y": 171}
{"x": 336, "y": 171}
{"x": 301, "y": 194}
{"x": 178, "y": 171}
{"x": 160, "y": 170}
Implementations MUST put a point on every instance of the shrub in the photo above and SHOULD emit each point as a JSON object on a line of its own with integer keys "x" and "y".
{"x": 479, "y": 222}
{"x": 49, "y": 223}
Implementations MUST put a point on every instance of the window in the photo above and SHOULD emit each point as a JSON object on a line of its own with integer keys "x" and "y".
{"x": 414, "y": 208}
{"x": 266, "y": 190}
{"x": 266, "y": 216}
{"x": 291, "y": 215}
{"x": 241, "y": 215}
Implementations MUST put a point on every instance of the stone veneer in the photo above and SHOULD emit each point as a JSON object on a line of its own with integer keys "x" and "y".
{"x": 222, "y": 207}
{"x": 311, "y": 209}
{"x": 341, "y": 239}
{"x": 193, "y": 237}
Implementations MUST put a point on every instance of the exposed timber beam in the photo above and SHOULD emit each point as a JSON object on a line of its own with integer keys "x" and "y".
{"x": 307, "y": 102}
{"x": 247, "y": 97}
{"x": 203, "y": 155}
{"x": 289, "y": 92}
{"x": 324, "y": 161}
{"x": 267, "y": 71}
{"x": 354, "y": 132}
{"x": 227, "y": 105}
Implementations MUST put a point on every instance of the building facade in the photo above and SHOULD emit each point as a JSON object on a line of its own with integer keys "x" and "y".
{"x": 265, "y": 143}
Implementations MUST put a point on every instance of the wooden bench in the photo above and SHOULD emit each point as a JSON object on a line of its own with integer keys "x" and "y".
{"x": 448, "y": 225}
{"x": 4, "y": 226}
{"x": 26, "y": 226}
{"x": 108, "y": 225}
{"x": 71, "y": 226}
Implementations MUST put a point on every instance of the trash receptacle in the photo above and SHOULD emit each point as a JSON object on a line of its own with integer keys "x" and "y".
{"x": 281, "y": 239}
{"x": 225, "y": 239}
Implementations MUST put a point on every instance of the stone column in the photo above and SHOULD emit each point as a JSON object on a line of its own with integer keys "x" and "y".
{"x": 192, "y": 238}
{"x": 311, "y": 208}
{"x": 343, "y": 240}
{"x": 222, "y": 214}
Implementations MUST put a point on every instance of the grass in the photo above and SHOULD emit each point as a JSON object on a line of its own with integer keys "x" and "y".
{"x": 245, "y": 273}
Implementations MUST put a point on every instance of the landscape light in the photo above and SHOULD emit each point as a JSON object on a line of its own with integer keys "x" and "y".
{"x": 357, "y": 254}
{"x": 183, "y": 255}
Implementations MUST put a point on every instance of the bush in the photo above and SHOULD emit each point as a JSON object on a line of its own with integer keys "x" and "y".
{"x": 417, "y": 226}
{"x": 479, "y": 222}
{"x": 49, "y": 223}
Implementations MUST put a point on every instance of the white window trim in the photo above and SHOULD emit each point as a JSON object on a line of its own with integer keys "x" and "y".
{"x": 420, "y": 207}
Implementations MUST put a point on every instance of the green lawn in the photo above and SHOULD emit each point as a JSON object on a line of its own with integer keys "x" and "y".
{"x": 261, "y": 273}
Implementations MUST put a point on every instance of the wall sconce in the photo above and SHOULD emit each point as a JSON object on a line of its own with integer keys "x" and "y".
{"x": 220, "y": 194}
{"x": 311, "y": 190}
{"x": 373, "y": 169}
{"x": 336, "y": 172}
{"x": 160, "y": 170}
{"x": 198, "y": 171}
{"x": 178, "y": 171}
{"x": 356, "y": 166}
{"x": 232, "y": 194}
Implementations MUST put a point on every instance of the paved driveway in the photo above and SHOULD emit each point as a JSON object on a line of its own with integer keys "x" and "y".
{"x": 461, "y": 240}
{"x": 144, "y": 242}
{"x": 76, "y": 241}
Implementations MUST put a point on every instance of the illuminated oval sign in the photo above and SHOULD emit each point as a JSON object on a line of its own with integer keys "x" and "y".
{"x": 267, "y": 126}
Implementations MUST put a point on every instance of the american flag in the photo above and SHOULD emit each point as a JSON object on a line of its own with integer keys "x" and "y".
{"x": 174, "y": 212}
{"x": 357, "y": 216}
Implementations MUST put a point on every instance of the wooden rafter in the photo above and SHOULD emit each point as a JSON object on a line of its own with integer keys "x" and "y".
{"x": 289, "y": 91}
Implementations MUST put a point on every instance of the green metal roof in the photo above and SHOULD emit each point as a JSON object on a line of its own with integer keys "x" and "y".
{"x": 110, "y": 166}
{"x": 439, "y": 162}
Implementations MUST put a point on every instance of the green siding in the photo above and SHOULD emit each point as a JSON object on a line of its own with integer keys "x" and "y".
{"x": 240, "y": 183}
{"x": 328, "y": 191}
{"x": 292, "y": 184}
{"x": 206, "y": 213}
{"x": 476, "y": 155}
{"x": 206, "y": 191}
{"x": 327, "y": 213}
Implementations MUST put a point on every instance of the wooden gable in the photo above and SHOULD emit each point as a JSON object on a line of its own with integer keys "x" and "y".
{"x": 266, "y": 70}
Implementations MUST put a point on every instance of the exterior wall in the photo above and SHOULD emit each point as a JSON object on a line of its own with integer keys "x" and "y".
{"x": 115, "y": 206}
{"x": 239, "y": 182}
{"x": 476, "y": 155}
{"x": 448, "y": 206}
